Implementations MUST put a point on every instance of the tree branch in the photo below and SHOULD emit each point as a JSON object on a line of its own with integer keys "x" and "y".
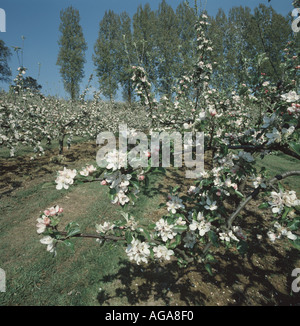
{"x": 256, "y": 192}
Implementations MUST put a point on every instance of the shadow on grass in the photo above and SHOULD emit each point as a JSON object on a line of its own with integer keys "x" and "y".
{"x": 151, "y": 285}
{"x": 262, "y": 278}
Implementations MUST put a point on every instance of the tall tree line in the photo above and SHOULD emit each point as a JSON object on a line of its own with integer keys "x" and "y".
{"x": 162, "y": 41}
{"x": 245, "y": 44}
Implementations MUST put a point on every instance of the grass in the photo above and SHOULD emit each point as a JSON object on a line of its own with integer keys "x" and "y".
{"x": 90, "y": 276}
{"x": 33, "y": 276}
{"x": 27, "y": 150}
{"x": 277, "y": 164}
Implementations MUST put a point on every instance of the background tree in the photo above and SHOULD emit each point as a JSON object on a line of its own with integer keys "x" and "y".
{"x": 186, "y": 19}
{"x": 222, "y": 77}
{"x": 127, "y": 57}
{"x": 167, "y": 40}
{"x": 272, "y": 33}
{"x": 71, "y": 57}
{"x": 106, "y": 51}
{"x": 247, "y": 44}
{"x": 31, "y": 84}
{"x": 5, "y": 55}
{"x": 144, "y": 25}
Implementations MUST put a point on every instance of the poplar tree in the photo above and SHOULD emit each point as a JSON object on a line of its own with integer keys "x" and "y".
{"x": 71, "y": 56}
{"x": 5, "y": 54}
{"x": 106, "y": 51}
{"x": 186, "y": 19}
{"x": 127, "y": 57}
{"x": 167, "y": 38}
{"x": 144, "y": 26}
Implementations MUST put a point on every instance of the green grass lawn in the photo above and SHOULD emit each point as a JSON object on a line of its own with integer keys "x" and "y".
{"x": 33, "y": 276}
{"x": 277, "y": 164}
{"x": 85, "y": 277}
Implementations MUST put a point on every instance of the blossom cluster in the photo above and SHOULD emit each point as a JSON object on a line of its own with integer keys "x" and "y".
{"x": 65, "y": 178}
{"x": 49, "y": 219}
{"x": 279, "y": 200}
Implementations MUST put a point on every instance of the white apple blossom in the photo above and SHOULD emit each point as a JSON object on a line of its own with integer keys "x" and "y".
{"x": 258, "y": 181}
{"x": 224, "y": 236}
{"x": 288, "y": 132}
{"x": 246, "y": 156}
{"x": 174, "y": 204}
{"x": 211, "y": 205}
{"x": 120, "y": 198}
{"x": 130, "y": 221}
{"x": 105, "y": 227}
{"x": 239, "y": 232}
{"x": 290, "y": 199}
{"x": 42, "y": 224}
{"x": 165, "y": 230}
{"x": 65, "y": 178}
{"x": 88, "y": 170}
{"x": 118, "y": 180}
{"x": 276, "y": 202}
{"x": 138, "y": 251}
{"x": 49, "y": 241}
{"x": 274, "y": 136}
{"x": 281, "y": 199}
{"x": 193, "y": 190}
{"x": 290, "y": 97}
{"x": 115, "y": 159}
{"x": 200, "y": 224}
{"x": 162, "y": 252}
{"x": 283, "y": 231}
{"x": 269, "y": 120}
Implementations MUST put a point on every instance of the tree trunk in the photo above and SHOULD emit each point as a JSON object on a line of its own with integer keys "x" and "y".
{"x": 61, "y": 145}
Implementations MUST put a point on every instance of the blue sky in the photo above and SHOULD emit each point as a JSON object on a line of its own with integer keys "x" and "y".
{"x": 38, "y": 21}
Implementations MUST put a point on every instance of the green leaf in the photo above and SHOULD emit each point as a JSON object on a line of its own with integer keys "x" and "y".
{"x": 263, "y": 206}
{"x": 224, "y": 149}
{"x": 210, "y": 258}
{"x": 151, "y": 226}
{"x": 177, "y": 241}
{"x": 286, "y": 211}
{"x": 280, "y": 186}
{"x": 295, "y": 147}
{"x": 175, "y": 189}
{"x": 73, "y": 232}
{"x": 242, "y": 247}
{"x": 136, "y": 184}
{"x": 208, "y": 268}
{"x": 296, "y": 243}
{"x": 213, "y": 238}
{"x": 72, "y": 229}
{"x": 239, "y": 194}
{"x": 294, "y": 224}
{"x": 180, "y": 228}
{"x": 128, "y": 236}
{"x": 112, "y": 191}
